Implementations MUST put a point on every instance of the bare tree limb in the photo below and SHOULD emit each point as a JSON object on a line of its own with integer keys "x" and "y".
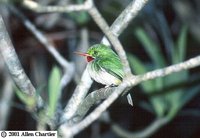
{"x": 92, "y": 99}
{"x": 124, "y": 19}
{"x": 78, "y": 96}
{"x": 32, "y": 5}
{"x": 188, "y": 64}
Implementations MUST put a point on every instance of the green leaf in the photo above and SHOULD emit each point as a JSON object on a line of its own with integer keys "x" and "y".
{"x": 54, "y": 89}
{"x": 174, "y": 95}
{"x": 151, "y": 47}
{"x": 182, "y": 42}
{"x": 180, "y": 52}
{"x": 139, "y": 68}
{"x": 81, "y": 17}
{"x": 159, "y": 105}
{"x": 148, "y": 86}
{"x": 29, "y": 101}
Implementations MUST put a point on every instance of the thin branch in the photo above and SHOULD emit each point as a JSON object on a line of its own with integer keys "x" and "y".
{"x": 88, "y": 102}
{"x": 92, "y": 99}
{"x": 124, "y": 19}
{"x": 12, "y": 62}
{"x": 188, "y": 64}
{"x": 32, "y": 5}
{"x": 78, "y": 96}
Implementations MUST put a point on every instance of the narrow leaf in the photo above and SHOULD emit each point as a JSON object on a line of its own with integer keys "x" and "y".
{"x": 180, "y": 51}
{"x": 182, "y": 42}
{"x": 151, "y": 47}
{"x": 54, "y": 89}
{"x": 29, "y": 101}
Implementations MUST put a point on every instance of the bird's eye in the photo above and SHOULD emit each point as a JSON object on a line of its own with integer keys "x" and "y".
{"x": 95, "y": 52}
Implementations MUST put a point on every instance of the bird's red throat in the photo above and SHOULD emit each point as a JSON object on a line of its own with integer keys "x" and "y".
{"x": 89, "y": 58}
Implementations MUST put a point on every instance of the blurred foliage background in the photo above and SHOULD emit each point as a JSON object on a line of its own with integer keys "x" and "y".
{"x": 164, "y": 33}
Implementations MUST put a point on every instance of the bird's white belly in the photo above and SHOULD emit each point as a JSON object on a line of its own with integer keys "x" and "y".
{"x": 103, "y": 77}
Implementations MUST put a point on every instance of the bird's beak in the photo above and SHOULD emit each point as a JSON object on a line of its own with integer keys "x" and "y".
{"x": 82, "y": 54}
{"x": 89, "y": 57}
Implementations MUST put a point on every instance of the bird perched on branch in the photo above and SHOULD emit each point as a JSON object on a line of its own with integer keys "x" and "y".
{"x": 104, "y": 66}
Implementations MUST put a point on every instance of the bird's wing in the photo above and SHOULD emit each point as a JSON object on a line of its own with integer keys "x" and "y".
{"x": 113, "y": 66}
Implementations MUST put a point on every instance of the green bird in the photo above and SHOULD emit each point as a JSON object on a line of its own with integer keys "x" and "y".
{"x": 104, "y": 66}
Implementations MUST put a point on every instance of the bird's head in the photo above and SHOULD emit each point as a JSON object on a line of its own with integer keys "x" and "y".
{"x": 97, "y": 51}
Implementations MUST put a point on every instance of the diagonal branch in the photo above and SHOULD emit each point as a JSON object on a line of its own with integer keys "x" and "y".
{"x": 92, "y": 99}
{"x": 188, "y": 64}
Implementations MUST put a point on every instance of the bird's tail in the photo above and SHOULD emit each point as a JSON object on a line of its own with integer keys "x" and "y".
{"x": 129, "y": 98}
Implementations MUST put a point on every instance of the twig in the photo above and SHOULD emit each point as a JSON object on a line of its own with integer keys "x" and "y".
{"x": 11, "y": 60}
{"x": 68, "y": 8}
{"x": 92, "y": 99}
{"x": 78, "y": 96}
{"x": 191, "y": 63}
{"x": 88, "y": 102}
{"x": 124, "y": 19}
